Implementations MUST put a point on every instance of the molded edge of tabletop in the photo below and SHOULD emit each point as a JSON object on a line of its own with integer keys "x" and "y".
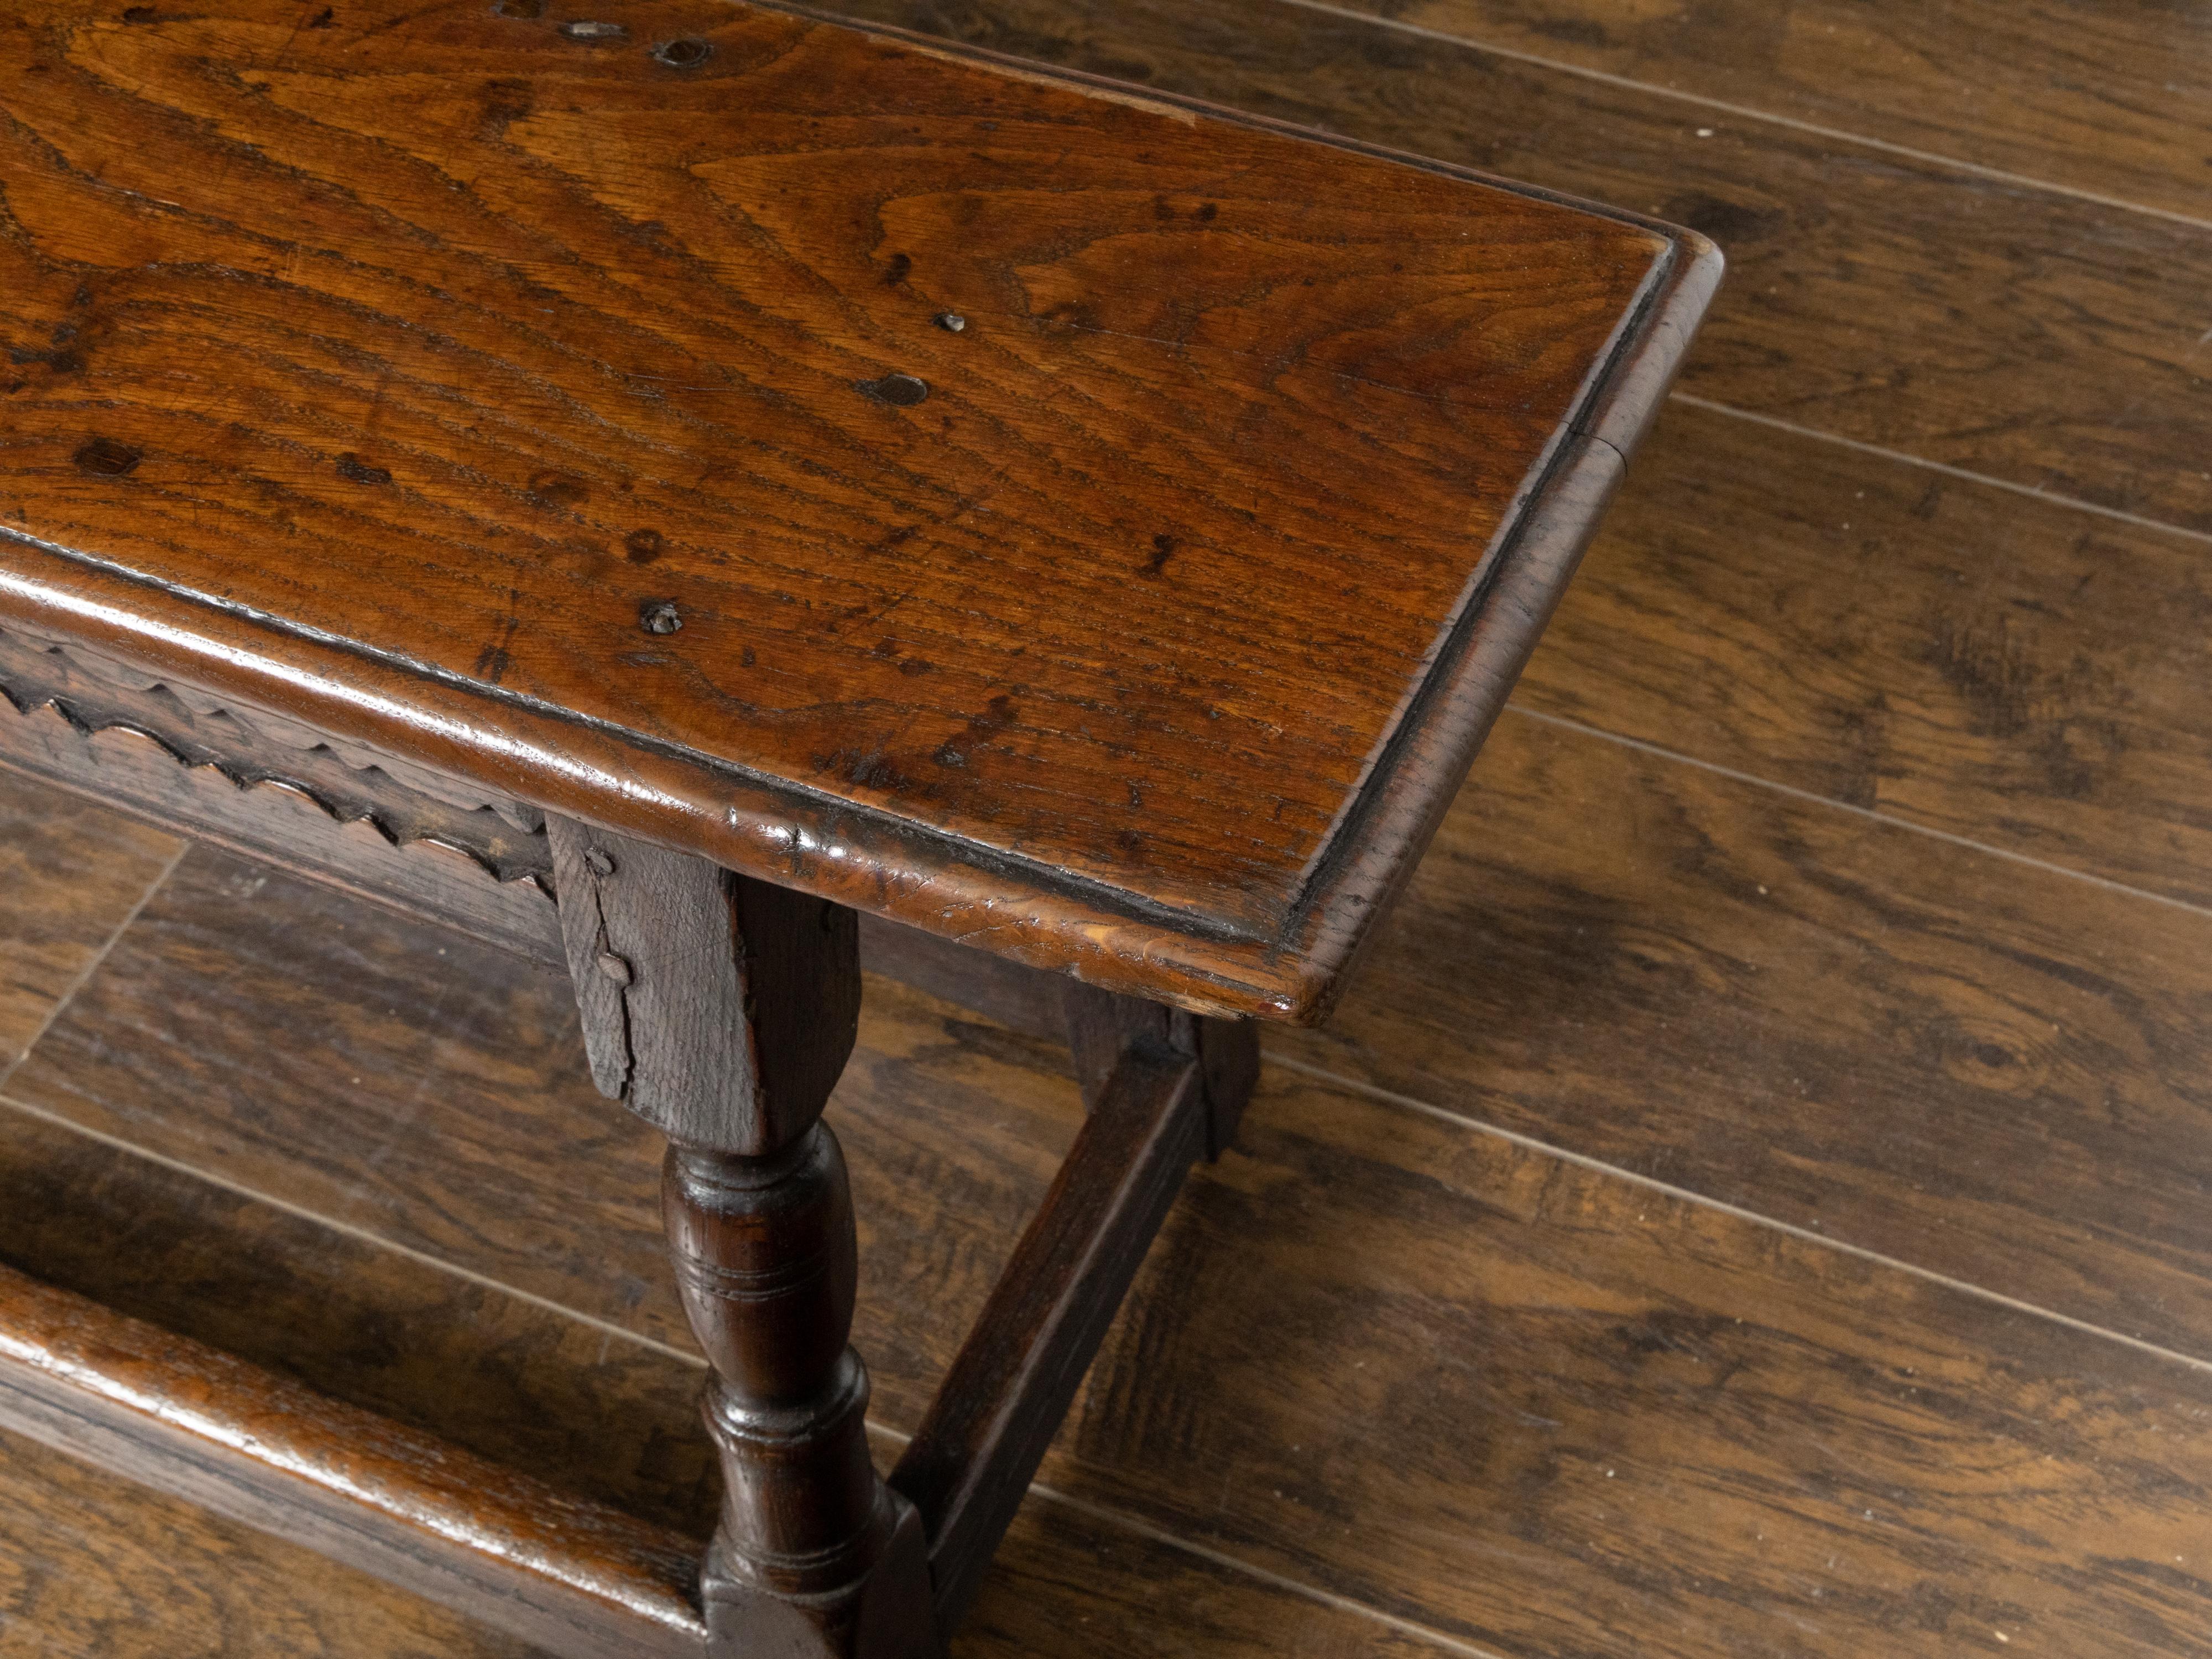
{"x": 872, "y": 861}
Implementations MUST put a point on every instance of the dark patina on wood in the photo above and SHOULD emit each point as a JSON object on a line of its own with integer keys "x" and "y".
{"x": 970, "y": 1463}
{"x": 580, "y": 1578}
{"x": 591, "y": 435}
{"x": 721, "y": 1009}
{"x": 252, "y": 779}
{"x": 714, "y": 474}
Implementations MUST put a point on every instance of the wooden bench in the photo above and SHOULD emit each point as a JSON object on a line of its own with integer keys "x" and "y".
{"x": 708, "y": 499}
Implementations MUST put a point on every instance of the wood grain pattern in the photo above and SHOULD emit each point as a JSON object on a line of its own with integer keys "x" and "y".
{"x": 2038, "y": 339}
{"x": 1928, "y": 647}
{"x": 1545, "y": 1409}
{"x": 70, "y": 873}
{"x": 514, "y": 1095}
{"x": 1559, "y": 1412}
{"x": 2013, "y": 671}
{"x": 1055, "y": 625}
{"x": 1378, "y": 1352}
{"x": 94, "y": 1564}
{"x": 975, "y": 1453}
{"x": 2082, "y": 94}
{"x": 614, "y": 1422}
{"x": 1954, "y": 653}
{"x": 411, "y": 1508}
{"x": 404, "y": 803}
{"x": 1064, "y": 1582}
{"x": 1989, "y": 1070}
{"x": 164, "y": 753}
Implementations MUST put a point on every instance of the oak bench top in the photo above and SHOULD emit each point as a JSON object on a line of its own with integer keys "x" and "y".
{"x": 1086, "y": 525}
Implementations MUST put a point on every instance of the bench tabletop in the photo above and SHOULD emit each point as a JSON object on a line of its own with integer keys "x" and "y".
{"x": 1091, "y": 526}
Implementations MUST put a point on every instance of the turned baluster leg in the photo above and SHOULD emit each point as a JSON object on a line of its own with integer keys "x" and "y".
{"x": 721, "y": 1010}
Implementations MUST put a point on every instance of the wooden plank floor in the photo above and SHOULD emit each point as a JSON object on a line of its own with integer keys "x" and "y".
{"x": 1757, "y": 1201}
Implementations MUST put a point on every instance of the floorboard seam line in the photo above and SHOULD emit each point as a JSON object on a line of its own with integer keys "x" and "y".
{"x": 1097, "y": 1511}
{"x": 1965, "y": 475}
{"x": 350, "y": 1230}
{"x": 1582, "y": 1160}
{"x": 1810, "y": 797}
{"x": 1745, "y": 112}
{"x": 1107, "y": 1513}
{"x": 84, "y": 974}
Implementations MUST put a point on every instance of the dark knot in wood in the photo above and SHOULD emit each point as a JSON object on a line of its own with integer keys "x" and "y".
{"x": 904, "y": 390}
{"x": 104, "y": 458}
{"x": 682, "y": 54}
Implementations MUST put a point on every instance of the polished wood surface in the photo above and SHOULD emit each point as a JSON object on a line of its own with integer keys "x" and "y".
{"x": 1510, "y": 1325}
{"x": 230, "y": 1438}
{"x": 1986, "y": 1068}
{"x": 1873, "y": 1192}
{"x": 95, "y": 1563}
{"x": 721, "y": 1010}
{"x": 1855, "y": 636}
{"x": 1061, "y": 520}
{"x": 1981, "y": 659}
{"x": 2028, "y": 336}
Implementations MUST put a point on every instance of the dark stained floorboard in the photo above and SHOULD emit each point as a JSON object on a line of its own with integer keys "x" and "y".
{"x": 600, "y": 1414}
{"x": 1527, "y": 1400}
{"x": 1966, "y": 658}
{"x": 2078, "y": 93}
{"x": 93, "y": 1567}
{"x": 1377, "y": 1352}
{"x": 1991, "y": 1070}
{"x": 1559, "y": 1413}
{"x": 70, "y": 874}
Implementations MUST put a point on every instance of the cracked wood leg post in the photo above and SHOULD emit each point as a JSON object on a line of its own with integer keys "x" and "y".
{"x": 721, "y": 1009}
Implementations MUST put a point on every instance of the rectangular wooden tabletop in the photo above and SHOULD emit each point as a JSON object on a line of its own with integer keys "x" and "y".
{"x": 1067, "y": 519}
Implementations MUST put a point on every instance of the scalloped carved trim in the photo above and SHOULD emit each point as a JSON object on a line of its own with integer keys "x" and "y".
{"x": 82, "y": 676}
{"x": 110, "y": 710}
